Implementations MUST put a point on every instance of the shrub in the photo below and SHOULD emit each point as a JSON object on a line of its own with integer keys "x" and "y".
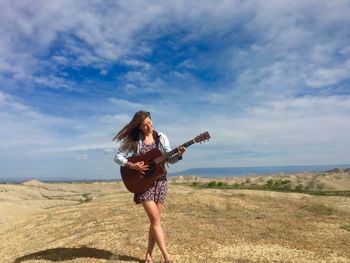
{"x": 220, "y": 184}
{"x": 284, "y": 185}
{"x": 87, "y": 198}
{"x": 194, "y": 184}
{"x": 269, "y": 184}
{"x": 285, "y": 181}
{"x": 212, "y": 184}
{"x": 299, "y": 188}
{"x": 345, "y": 227}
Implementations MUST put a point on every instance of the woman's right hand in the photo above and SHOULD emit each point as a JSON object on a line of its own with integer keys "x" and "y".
{"x": 139, "y": 166}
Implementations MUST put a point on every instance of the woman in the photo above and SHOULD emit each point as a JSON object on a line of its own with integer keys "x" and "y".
{"x": 139, "y": 137}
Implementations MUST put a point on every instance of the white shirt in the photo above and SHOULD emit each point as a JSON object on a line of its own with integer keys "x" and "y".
{"x": 121, "y": 159}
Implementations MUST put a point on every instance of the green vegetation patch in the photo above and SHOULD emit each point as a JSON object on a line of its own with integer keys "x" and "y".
{"x": 282, "y": 185}
{"x": 217, "y": 185}
{"x": 277, "y": 185}
{"x": 345, "y": 227}
{"x": 329, "y": 193}
{"x": 87, "y": 198}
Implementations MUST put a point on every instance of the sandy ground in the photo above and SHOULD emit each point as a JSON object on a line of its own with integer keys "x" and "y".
{"x": 98, "y": 222}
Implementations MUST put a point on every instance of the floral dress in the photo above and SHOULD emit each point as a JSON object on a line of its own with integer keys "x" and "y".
{"x": 157, "y": 192}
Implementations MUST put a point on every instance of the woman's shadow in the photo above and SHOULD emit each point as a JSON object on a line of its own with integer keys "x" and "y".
{"x": 60, "y": 254}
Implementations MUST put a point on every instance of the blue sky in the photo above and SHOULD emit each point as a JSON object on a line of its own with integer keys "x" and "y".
{"x": 270, "y": 81}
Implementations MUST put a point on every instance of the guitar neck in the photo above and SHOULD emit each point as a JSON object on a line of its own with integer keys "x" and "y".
{"x": 198, "y": 139}
{"x": 174, "y": 151}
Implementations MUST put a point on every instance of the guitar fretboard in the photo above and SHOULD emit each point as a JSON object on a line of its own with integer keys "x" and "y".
{"x": 174, "y": 151}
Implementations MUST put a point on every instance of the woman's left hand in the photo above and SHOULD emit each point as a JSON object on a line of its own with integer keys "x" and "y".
{"x": 181, "y": 150}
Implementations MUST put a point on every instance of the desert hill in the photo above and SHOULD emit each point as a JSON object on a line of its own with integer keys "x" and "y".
{"x": 98, "y": 222}
{"x": 34, "y": 182}
{"x": 332, "y": 180}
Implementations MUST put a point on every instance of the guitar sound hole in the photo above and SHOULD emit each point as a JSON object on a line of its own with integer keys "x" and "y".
{"x": 151, "y": 168}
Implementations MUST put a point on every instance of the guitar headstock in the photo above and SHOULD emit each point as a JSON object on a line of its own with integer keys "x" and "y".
{"x": 202, "y": 137}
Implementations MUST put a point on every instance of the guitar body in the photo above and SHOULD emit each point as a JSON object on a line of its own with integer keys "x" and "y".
{"x": 134, "y": 181}
{"x": 138, "y": 183}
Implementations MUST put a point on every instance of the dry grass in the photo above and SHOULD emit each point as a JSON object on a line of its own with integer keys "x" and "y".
{"x": 201, "y": 225}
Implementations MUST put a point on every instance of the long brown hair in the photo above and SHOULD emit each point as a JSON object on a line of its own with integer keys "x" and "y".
{"x": 129, "y": 135}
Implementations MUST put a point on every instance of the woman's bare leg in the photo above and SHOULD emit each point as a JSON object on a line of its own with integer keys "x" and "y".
{"x": 151, "y": 241}
{"x": 156, "y": 234}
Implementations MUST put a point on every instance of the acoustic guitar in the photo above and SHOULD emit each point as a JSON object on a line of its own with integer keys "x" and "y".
{"x": 136, "y": 182}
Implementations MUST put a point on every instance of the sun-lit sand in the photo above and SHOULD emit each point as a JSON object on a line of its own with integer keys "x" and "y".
{"x": 98, "y": 222}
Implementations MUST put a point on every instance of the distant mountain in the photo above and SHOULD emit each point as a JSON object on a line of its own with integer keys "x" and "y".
{"x": 239, "y": 171}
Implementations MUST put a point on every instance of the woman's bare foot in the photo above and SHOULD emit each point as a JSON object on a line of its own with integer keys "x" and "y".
{"x": 167, "y": 259}
{"x": 148, "y": 258}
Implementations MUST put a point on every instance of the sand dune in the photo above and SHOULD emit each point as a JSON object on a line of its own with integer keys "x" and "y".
{"x": 98, "y": 222}
{"x": 333, "y": 180}
{"x": 35, "y": 196}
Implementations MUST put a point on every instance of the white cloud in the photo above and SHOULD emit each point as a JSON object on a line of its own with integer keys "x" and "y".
{"x": 329, "y": 76}
{"x": 23, "y": 126}
{"x": 31, "y": 132}
{"x": 269, "y": 59}
{"x": 82, "y": 157}
{"x": 98, "y": 34}
{"x": 53, "y": 81}
{"x": 125, "y": 104}
{"x": 106, "y": 147}
{"x": 138, "y": 64}
{"x": 294, "y": 131}
{"x": 119, "y": 118}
